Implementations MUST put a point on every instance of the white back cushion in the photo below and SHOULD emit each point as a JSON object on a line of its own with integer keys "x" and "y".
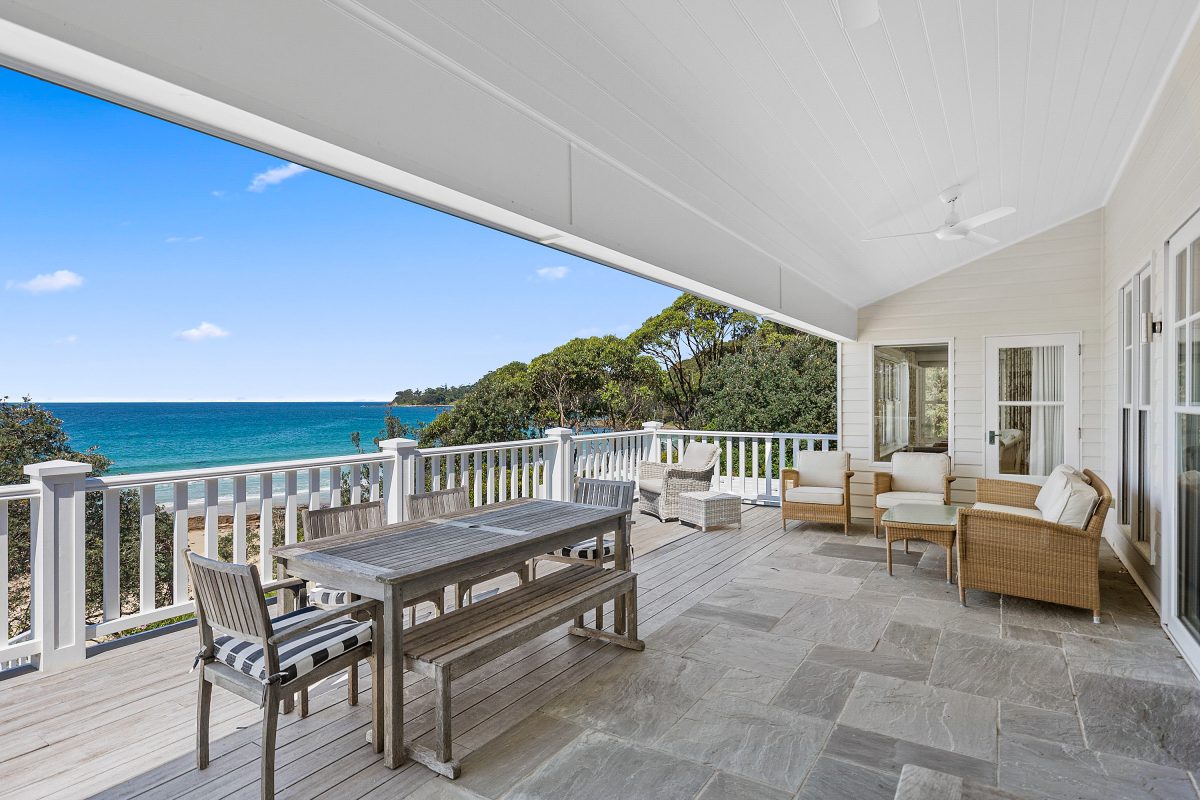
{"x": 1052, "y": 490}
{"x": 1074, "y": 504}
{"x": 698, "y": 455}
{"x": 820, "y": 468}
{"x": 920, "y": 472}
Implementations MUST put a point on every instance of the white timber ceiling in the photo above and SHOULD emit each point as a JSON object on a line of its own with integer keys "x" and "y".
{"x": 739, "y": 148}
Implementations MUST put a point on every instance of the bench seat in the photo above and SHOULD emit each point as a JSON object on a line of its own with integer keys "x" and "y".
{"x": 461, "y": 640}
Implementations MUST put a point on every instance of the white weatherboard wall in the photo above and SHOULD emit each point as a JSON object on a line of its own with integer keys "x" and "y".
{"x": 1049, "y": 283}
{"x": 1156, "y": 193}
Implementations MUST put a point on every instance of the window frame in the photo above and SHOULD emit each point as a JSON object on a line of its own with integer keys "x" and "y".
{"x": 901, "y": 344}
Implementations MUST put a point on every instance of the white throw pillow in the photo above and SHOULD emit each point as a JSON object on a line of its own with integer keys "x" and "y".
{"x": 1051, "y": 495}
{"x": 1075, "y": 504}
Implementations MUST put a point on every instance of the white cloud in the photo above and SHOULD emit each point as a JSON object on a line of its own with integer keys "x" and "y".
{"x": 273, "y": 176}
{"x": 552, "y": 273}
{"x": 55, "y": 281}
{"x": 217, "y": 192}
{"x": 72, "y": 339}
{"x": 623, "y": 329}
{"x": 183, "y": 239}
{"x": 205, "y": 330}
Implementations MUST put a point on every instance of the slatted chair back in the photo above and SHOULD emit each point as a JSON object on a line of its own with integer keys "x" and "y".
{"x": 342, "y": 519}
{"x": 613, "y": 494}
{"x": 229, "y": 599}
{"x": 434, "y": 504}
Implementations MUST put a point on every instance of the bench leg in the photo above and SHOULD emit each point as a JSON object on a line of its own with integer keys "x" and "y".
{"x": 631, "y": 630}
{"x": 270, "y": 724}
{"x": 352, "y": 685}
{"x": 442, "y": 689}
{"x": 203, "y": 704}
{"x": 376, "y": 700}
{"x": 304, "y": 702}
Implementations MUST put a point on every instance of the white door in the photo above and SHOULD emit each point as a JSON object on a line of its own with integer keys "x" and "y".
{"x": 1181, "y": 533}
{"x": 1135, "y": 486}
{"x": 1031, "y": 405}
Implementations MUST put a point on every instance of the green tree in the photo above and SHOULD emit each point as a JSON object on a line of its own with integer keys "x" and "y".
{"x": 687, "y": 338}
{"x": 631, "y": 381}
{"x": 566, "y": 383}
{"x": 500, "y": 408}
{"x": 778, "y": 382}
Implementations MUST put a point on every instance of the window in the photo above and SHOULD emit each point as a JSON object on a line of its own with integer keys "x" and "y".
{"x": 912, "y": 399}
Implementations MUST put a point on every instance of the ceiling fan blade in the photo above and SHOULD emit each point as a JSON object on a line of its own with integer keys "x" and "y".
{"x": 898, "y": 235}
{"x": 970, "y": 223}
{"x": 857, "y": 14}
{"x": 979, "y": 238}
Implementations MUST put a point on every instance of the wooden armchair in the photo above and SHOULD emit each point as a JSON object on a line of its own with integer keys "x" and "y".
{"x": 456, "y": 501}
{"x": 660, "y": 485}
{"x": 915, "y": 478}
{"x": 1020, "y": 554}
{"x": 267, "y": 660}
{"x": 818, "y": 489}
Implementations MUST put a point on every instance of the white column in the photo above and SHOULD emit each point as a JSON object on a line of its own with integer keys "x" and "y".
{"x": 397, "y": 476}
{"x": 562, "y": 475}
{"x": 57, "y": 590}
{"x": 654, "y": 428}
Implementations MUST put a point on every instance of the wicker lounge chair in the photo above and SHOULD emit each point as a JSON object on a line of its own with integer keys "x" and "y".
{"x": 267, "y": 660}
{"x": 818, "y": 490}
{"x": 456, "y": 501}
{"x": 659, "y": 485}
{"x": 1006, "y": 545}
{"x": 915, "y": 478}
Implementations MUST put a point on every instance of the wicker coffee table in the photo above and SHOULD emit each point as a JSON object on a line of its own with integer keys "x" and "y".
{"x": 936, "y": 524}
{"x": 705, "y": 509}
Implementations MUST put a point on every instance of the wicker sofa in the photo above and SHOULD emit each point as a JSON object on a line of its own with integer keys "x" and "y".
{"x": 659, "y": 485}
{"x": 818, "y": 490}
{"x": 1006, "y": 546}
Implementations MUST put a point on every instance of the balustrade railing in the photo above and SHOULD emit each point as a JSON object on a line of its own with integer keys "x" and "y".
{"x": 106, "y": 553}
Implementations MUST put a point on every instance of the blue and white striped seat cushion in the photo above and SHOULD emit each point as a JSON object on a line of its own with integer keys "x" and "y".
{"x": 321, "y": 595}
{"x": 586, "y": 550}
{"x": 298, "y": 656}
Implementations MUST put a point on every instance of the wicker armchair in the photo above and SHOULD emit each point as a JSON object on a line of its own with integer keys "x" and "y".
{"x": 659, "y": 485}
{"x": 1025, "y": 556}
{"x": 915, "y": 478}
{"x": 818, "y": 490}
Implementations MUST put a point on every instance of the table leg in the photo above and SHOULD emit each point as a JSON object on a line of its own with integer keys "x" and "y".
{"x": 887, "y": 542}
{"x": 392, "y": 651}
{"x": 621, "y": 561}
{"x": 949, "y": 574}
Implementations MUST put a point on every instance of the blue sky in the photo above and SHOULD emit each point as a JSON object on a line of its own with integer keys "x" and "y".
{"x": 140, "y": 260}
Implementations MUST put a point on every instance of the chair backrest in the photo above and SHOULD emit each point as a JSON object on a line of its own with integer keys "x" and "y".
{"x": 920, "y": 472}
{"x": 1096, "y": 523}
{"x": 433, "y": 504}
{"x": 823, "y": 467}
{"x": 614, "y": 494}
{"x": 700, "y": 456}
{"x": 341, "y": 519}
{"x": 229, "y": 599}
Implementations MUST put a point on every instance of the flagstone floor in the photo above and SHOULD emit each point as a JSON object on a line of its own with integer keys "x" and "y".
{"x": 779, "y": 664}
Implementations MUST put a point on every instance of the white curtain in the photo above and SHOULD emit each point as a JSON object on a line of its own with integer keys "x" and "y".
{"x": 1046, "y": 435}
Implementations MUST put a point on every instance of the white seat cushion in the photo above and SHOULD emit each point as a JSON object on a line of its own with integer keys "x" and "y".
{"x": 823, "y": 468}
{"x": 920, "y": 472}
{"x": 321, "y": 595}
{"x": 652, "y": 485}
{"x": 586, "y": 550}
{"x": 300, "y": 655}
{"x": 889, "y": 499}
{"x": 822, "y": 495}
{"x": 1032, "y": 513}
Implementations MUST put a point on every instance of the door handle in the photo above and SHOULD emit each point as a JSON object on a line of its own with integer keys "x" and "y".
{"x": 992, "y": 437}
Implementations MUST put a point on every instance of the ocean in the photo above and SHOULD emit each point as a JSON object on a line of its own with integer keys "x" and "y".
{"x": 151, "y": 437}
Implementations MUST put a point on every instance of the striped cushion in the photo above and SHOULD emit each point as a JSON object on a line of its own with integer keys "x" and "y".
{"x": 586, "y": 550}
{"x": 298, "y": 656}
{"x": 320, "y": 595}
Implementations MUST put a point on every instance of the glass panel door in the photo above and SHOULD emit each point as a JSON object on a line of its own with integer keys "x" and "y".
{"x": 1032, "y": 410}
{"x": 1183, "y": 600}
{"x": 1133, "y": 509}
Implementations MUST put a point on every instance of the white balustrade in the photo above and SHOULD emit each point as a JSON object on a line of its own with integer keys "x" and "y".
{"x": 158, "y": 511}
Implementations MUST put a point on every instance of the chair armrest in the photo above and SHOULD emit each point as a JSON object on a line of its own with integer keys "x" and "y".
{"x": 883, "y": 482}
{"x": 788, "y": 479}
{"x": 949, "y": 480}
{"x": 323, "y": 618}
{"x": 1006, "y": 493}
{"x": 295, "y": 585}
{"x": 674, "y": 473}
{"x": 652, "y": 470}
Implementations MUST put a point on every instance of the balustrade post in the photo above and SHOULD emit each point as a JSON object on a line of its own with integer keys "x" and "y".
{"x": 57, "y": 589}
{"x": 655, "y": 448}
{"x": 398, "y": 477}
{"x": 562, "y": 472}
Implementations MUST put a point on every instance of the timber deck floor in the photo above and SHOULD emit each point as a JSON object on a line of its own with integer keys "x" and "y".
{"x": 779, "y": 664}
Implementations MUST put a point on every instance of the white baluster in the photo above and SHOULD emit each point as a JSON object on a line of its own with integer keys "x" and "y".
{"x": 239, "y": 519}
{"x": 314, "y": 490}
{"x": 266, "y": 523}
{"x": 335, "y": 487}
{"x": 179, "y": 574}
{"x": 211, "y": 519}
{"x": 112, "y": 554}
{"x": 146, "y": 561}
{"x": 291, "y": 506}
{"x": 373, "y": 477}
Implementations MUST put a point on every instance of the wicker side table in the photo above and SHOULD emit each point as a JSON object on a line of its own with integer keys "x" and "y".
{"x": 936, "y": 524}
{"x": 706, "y": 509}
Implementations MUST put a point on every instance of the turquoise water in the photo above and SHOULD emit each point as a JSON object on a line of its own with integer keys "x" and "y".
{"x": 150, "y": 437}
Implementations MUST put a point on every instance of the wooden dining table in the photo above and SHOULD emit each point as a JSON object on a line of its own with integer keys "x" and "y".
{"x": 412, "y": 558}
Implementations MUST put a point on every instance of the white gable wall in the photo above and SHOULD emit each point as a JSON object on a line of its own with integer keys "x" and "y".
{"x": 1049, "y": 283}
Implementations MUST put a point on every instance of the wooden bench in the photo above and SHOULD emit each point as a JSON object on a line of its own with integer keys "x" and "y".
{"x": 461, "y": 640}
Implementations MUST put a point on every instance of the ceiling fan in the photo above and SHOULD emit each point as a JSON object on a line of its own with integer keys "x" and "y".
{"x": 953, "y": 228}
{"x": 858, "y": 14}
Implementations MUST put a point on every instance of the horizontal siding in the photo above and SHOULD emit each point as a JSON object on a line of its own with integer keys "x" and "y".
{"x": 1050, "y": 283}
{"x": 1157, "y": 192}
